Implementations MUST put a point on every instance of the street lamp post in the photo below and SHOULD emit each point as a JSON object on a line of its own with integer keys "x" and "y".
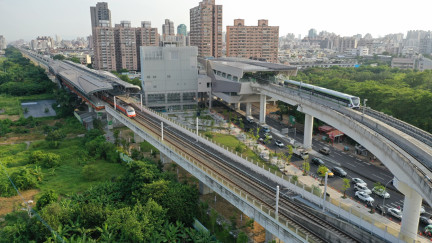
{"x": 385, "y": 189}
{"x": 364, "y": 105}
{"x": 325, "y": 191}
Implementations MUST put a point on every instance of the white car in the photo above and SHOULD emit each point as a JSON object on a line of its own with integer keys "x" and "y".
{"x": 279, "y": 144}
{"x": 268, "y": 135}
{"x": 364, "y": 197}
{"x": 380, "y": 192}
{"x": 395, "y": 212}
{"x": 422, "y": 210}
{"x": 362, "y": 188}
{"x": 358, "y": 181}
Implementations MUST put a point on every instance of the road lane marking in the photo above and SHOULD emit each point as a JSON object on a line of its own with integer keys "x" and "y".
{"x": 378, "y": 176}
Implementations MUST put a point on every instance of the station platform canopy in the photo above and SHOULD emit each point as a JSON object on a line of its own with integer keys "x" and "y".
{"x": 89, "y": 81}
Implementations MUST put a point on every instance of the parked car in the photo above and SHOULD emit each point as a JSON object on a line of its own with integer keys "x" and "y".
{"x": 261, "y": 140}
{"x": 381, "y": 209}
{"x": 380, "y": 192}
{"x": 279, "y": 144}
{"x": 268, "y": 135}
{"x": 362, "y": 188}
{"x": 325, "y": 150}
{"x": 425, "y": 220}
{"x": 395, "y": 213}
{"x": 339, "y": 171}
{"x": 358, "y": 181}
{"x": 317, "y": 161}
{"x": 364, "y": 197}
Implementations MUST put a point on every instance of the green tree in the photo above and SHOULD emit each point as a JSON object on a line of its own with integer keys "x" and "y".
{"x": 46, "y": 198}
{"x": 24, "y": 179}
{"x": 90, "y": 172}
{"x": 346, "y": 185}
{"x": 306, "y": 168}
{"x": 59, "y": 57}
{"x": 54, "y": 138}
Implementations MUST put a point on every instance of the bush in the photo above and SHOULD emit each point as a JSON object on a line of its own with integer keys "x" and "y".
{"x": 47, "y": 160}
{"x": 24, "y": 179}
{"x": 46, "y": 199}
{"x": 90, "y": 172}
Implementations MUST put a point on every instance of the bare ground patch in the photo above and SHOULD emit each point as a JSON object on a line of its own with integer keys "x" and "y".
{"x": 9, "y": 204}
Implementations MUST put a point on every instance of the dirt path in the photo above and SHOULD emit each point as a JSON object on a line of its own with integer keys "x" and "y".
{"x": 9, "y": 204}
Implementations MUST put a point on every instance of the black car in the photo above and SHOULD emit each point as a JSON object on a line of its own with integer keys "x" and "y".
{"x": 317, "y": 161}
{"x": 339, "y": 171}
{"x": 425, "y": 220}
{"x": 380, "y": 209}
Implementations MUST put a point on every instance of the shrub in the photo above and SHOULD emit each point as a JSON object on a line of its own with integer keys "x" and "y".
{"x": 47, "y": 160}
{"x": 90, "y": 172}
{"x": 24, "y": 179}
{"x": 46, "y": 199}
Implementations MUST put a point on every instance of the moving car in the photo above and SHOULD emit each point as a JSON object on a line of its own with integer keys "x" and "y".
{"x": 329, "y": 173}
{"x": 279, "y": 144}
{"x": 325, "y": 150}
{"x": 358, "y": 181}
{"x": 339, "y": 171}
{"x": 266, "y": 128}
{"x": 380, "y": 192}
{"x": 395, "y": 213}
{"x": 317, "y": 161}
{"x": 364, "y": 197}
{"x": 250, "y": 119}
{"x": 362, "y": 188}
{"x": 268, "y": 135}
{"x": 422, "y": 210}
{"x": 425, "y": 220}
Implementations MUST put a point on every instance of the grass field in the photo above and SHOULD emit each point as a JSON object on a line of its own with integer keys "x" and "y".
{"x": 12, "y": 104}
{"x": 231, "y": 141}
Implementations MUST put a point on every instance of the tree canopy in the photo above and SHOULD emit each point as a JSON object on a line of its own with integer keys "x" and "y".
{"x": 404, "y": 94}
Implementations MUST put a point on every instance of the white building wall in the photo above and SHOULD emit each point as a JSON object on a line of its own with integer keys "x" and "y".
{"x": 166, "y": 69}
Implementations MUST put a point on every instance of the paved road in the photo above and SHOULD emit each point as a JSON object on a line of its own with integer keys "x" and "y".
{"x": 354, "y": 166}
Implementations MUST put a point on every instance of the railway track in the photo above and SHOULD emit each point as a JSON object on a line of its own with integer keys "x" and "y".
{"x": 254, "y": 186}
{"x": 409, "y": 129}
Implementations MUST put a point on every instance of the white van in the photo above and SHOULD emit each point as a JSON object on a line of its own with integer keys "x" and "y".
{"x": 250, "y": 119}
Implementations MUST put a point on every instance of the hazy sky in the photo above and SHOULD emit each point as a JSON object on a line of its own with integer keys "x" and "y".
{"x": 71, "y": 18}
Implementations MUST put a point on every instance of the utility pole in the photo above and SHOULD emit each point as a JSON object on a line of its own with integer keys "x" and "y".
{"x": 277, "y": 203}
{"x": 197, "y": 129}
{"x": 162, "y": 131}
{"x": 141, "y": 103}
{"x": 364, "y": 105}
{"x": 325, "y": 191}
{"x": 115, "y": 104}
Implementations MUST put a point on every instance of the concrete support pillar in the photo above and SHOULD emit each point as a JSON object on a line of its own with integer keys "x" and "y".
{"x": 411, "y": 210}
{"x": 308, "y": 126}
{"x": 248, "y": 109}
{"x": 165, "y": 159}
{"x": 203, "y": 189}
{"x": 237, "y": 106}
{"x": 110, "y": 121}
{"x": 269, "y": 237}
{"x": 90, "y": 108}
{"x": 138, "y": 139}
{"x": 262, "y": 109}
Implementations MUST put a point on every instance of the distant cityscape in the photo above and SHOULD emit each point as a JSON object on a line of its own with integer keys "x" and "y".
{"x": 118, "y": 47}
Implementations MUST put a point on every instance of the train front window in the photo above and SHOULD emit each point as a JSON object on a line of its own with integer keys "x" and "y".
{"x": 356, "y": 101}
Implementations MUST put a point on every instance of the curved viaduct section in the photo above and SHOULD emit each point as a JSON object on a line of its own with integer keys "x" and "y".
{"x": 412, "y": 178}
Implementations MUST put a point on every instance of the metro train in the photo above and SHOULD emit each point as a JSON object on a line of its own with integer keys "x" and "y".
{"x": 348, "y": 100}
{"x": 126, "y": 109}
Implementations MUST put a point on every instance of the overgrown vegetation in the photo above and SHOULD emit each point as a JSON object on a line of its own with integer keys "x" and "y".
{"x": 18, "y": 76}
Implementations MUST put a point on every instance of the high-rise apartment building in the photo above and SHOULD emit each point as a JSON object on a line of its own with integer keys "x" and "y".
{"x": 168, "y": 27}
{"x": 103, "y": 37}
{"x": 2, "y": 42}
{"x": 145, "y": 36}
{"x": 100, "y": 12}
{"x": 256, "y": 42}
{"x": 125, "y": 46}
{"x": 312, "y": 33}
{"x": 182, "y": 30}
{"x": 104, "y": 47}
{"x": 206, "y": 28}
